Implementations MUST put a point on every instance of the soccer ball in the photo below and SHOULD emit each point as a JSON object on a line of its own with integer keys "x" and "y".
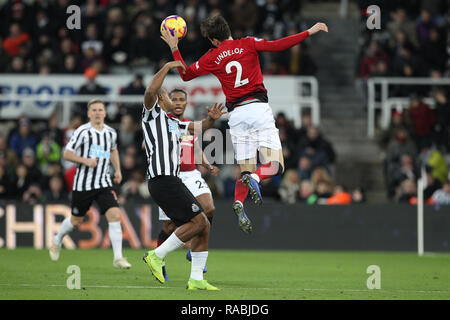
{"x": 175, "y": 24}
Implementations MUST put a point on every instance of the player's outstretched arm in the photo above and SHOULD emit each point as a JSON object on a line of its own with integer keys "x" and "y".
{"x": 319, "y": 26}
{"x": 151, "y": 93}
{"x": 214, "y": 113}
{"x": 186, "y": 73}
{"x": 290, "y": 41}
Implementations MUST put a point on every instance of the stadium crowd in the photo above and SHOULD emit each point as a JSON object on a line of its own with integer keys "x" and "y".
{"x": 415, "y": 43}
{"x": 125, "y": 34}
{"x": 119, "y": 36}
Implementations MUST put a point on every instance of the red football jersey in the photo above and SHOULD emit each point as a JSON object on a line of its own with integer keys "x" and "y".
{"x": 236, "y": 64}
{"x": 187, "y": 161}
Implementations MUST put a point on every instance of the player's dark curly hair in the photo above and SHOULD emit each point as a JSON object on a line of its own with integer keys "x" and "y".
{"x": 215, "y": 27}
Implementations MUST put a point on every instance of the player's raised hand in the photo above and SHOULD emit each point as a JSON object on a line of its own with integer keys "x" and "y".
{"x": 216, "y": 111}
{"x": 171, "y": 40}
{"x": 91, "y": 162}
{"x": 319, "y": 26}
{"x": 177, "y": 64}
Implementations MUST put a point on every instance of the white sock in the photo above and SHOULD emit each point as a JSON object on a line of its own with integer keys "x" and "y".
{"x": 115, "y": 234}
{"x": 198, "y": 264}
{"x": 172, "y": 243}
{"x": 66, "y": 227}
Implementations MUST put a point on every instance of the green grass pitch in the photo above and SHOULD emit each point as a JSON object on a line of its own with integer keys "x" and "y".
{"x": 261, "y": 275}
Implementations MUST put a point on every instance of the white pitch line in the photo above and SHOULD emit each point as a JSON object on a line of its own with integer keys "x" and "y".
{"x": 231, "y": 288}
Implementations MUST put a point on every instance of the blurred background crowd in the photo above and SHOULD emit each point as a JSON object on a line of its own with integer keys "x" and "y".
{"x": 123, "y": 37}
{"x": 415, "y": 42}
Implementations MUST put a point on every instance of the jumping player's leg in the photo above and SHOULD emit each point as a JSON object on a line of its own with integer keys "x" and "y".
{"x": 272, "y": 164}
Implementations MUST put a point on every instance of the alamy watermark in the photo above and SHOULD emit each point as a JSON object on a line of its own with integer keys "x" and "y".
{"x": 74, "y": 280}
{"x": 74, "y": 20}
{"x": 374, "y": 280}
{"x": 374, "y": 17}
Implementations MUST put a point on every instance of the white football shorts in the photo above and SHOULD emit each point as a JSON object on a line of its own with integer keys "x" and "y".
{"x": 252, "y": 126}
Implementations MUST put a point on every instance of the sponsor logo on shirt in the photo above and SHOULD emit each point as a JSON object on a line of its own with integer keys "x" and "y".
{"x": 97, "y": 151}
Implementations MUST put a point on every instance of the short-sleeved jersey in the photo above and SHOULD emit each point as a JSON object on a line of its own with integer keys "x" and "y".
{"x": 187, "y": 150}
{"x": 88, "y": 142}
{"x": 236, "y": 65}
{"x": 162, "y": 140}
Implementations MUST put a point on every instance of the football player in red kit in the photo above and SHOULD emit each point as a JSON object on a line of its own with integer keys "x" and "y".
{"x": 236, "y": 65}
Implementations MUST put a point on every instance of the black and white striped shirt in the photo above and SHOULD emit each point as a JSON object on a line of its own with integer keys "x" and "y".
{"x": 88, "y": 142}
{"x": 162, "y": 140}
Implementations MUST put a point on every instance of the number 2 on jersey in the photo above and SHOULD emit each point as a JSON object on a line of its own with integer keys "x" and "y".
{"x": 238, "y": 67}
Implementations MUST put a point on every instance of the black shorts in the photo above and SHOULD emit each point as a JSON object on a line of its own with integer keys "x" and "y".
{"x": 82, "y": 200}
{"x": 174, "y": 198}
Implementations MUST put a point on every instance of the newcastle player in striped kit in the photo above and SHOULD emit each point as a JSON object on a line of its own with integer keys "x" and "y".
{"x": 162, "y": 135}
{"x": 93, "y": 146}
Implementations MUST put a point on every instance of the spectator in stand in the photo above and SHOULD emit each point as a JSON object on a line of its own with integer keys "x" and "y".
{"x": 47, "y": 151}
{"x": 306, "y": 123}
{"x": 434, "y": 160}
{"x": 321, "y": 175}
{"x": 397, "y": 173}
{"x": 306, "y": 193}
{"x": 116, "y": 47}
{"x": 401, "y": 144}
{"x": 424, "y": 26}
{"x": 290, "y": 186}
{"x": 23, "y": 138}
{"x": 398, "y": 121}
{"x": 20, "y": 182}
{"x": 56, "y": 192}
{"x": 128, "y": 166}
{"x": 442, "y": 125}
{"x": 288, "y": 148}
{"x": 131, "y": 190}
{"x": 8, "y": 157}
{"x": 244, "y": 16}
{"x": 91, "y": 87}
{"x": 323, "y": 191}
{"x": 33, "y": 194}
{"x": 340, "y": 196}
{"x": 281, "y": 122}
{"x": 15, "y": 40}
{"x": 70, "y": 65}
{"x": 432, "y": 184}
{"x": 29, "y": 160}
{"x": 141, "y": 48}
{"x": 433, "y": 51}
{"x": 407, "y": 191}
{"x": 373, "y": 55}
{"x": 423, "y": 120}
{"x": 136, "y": 87}
{"x": 317, "y": 148}
{"x": 401, "y": 23}
{"x": 304, "y": 169}
{"x": 442, "y": 196}
{"x": 4, "y": 183}
{"x": 53, "y": 130}
{"x": 358, "y": 196}
{"x": 299, "y": 61}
